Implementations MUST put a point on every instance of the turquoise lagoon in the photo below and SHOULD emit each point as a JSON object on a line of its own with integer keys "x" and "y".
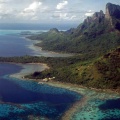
{"x": 20, "y": 99}
{"x": 98, "y": 106}
{"x": 28, "y": 100}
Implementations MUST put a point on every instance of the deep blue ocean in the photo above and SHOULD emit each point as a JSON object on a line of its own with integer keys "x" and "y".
{"x": 19, "y": 98}
{"x": 24, "y": 100}
{"x": 12, "y": 43}
{"x": 28, "y": 100}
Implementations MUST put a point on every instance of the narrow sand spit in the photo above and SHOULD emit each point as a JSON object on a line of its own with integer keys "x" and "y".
{"x": 28, "y": 69}
{"x": 86, "y": 93}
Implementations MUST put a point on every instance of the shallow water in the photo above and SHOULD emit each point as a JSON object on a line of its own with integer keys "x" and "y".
{"x": 24, "y": 100}
{"x": 19, "y": 98}
{"x": 92, "y": 111}
{"x": 99, "y": 106}
{"x": 14, "y": 44}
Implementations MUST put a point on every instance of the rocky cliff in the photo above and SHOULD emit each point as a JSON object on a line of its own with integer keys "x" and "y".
{"x": 113, "y": 15}
{"x": 95, "y": 36}
{"x": 97, "y": 17}
{"x": 97, "y": 42}
{"x": 99, "y": 23}
{"x": 112, "y": 10}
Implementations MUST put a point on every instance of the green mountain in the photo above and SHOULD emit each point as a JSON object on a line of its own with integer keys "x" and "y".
{"x": 97, "y": 40}
{"x": 95, "y": 36}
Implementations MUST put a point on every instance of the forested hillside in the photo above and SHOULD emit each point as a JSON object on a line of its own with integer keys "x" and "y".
{"x": 96, "y": 35}
{"x": 97, "y": 42}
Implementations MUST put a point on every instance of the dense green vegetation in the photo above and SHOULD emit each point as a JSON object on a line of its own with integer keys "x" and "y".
{"x": 52, "y": 62}
{"x": 95, "y": 38}
{"x": 101, "y": 73}
{"x": 97, "y": 42}
{"x": 109, "y": 68}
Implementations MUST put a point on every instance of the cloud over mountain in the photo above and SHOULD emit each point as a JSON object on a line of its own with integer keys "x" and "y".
{"x": 48, "y": 11}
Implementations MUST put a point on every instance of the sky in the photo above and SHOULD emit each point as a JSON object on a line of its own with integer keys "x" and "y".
{"x": 49, "y": 11}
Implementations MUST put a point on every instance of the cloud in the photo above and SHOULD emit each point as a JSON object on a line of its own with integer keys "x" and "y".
{"x": 33, "y": 11}
{"x": 61, "y": 5}
{"x": 63, "y": 16}
{"x": 34, "y": 18}
{"x": 33, "y": 7}
{"x": 45, "y": 10}
{"x": 89, "y": 13}
{"x": 73, "y": 17}
{"x": 3, "y": 1}
{"x": 58, "y": 15}
{"x": 5, "y": 12}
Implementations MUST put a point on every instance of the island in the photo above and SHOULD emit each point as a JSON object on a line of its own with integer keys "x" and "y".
{"x": 96, "y": 43}
{"x": 94, "y": 68}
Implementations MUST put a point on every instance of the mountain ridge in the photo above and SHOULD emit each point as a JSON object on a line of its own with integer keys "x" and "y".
{"x": 113, "y": 12}
{"x": 97, "y": 42}
{"x": 97, "y": 35}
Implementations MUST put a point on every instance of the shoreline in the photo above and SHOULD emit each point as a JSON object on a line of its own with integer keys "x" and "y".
{"x": 67, "y": 115}
{"x": 77, "y": 105}
{"x": 28, "y": 68}
{"x": 52, "y": 82}
{"x": 93, "y": 93}
{"x": 38, "y": 48}
{"x": 77, "y": 88}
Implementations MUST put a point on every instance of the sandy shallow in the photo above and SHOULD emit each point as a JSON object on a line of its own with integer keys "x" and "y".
{"x": 39, "y": 52}
{"x": 88, "y": 94}
{"x": 28, "y": 69}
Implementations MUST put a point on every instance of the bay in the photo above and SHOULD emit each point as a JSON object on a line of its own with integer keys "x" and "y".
{"x": 12, "y": 43}
{"x": 25, "y": 100}
{"x": 29, "y": 97}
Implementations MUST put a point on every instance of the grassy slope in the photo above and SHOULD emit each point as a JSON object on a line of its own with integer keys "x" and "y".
{"x": 91, "y": 40}
{"x": 96, "y": 38}
{"x": 52, "y": 40}
{"x": 101, "y": 73}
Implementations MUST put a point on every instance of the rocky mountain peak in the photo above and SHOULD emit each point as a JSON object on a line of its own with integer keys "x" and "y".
{"x": 54, "y": 30}
{"x": 113, "y": 15}
{"x": 99, "y": 22}
{"x": 112, "y": 10}
{"x": 97, "y": 17}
